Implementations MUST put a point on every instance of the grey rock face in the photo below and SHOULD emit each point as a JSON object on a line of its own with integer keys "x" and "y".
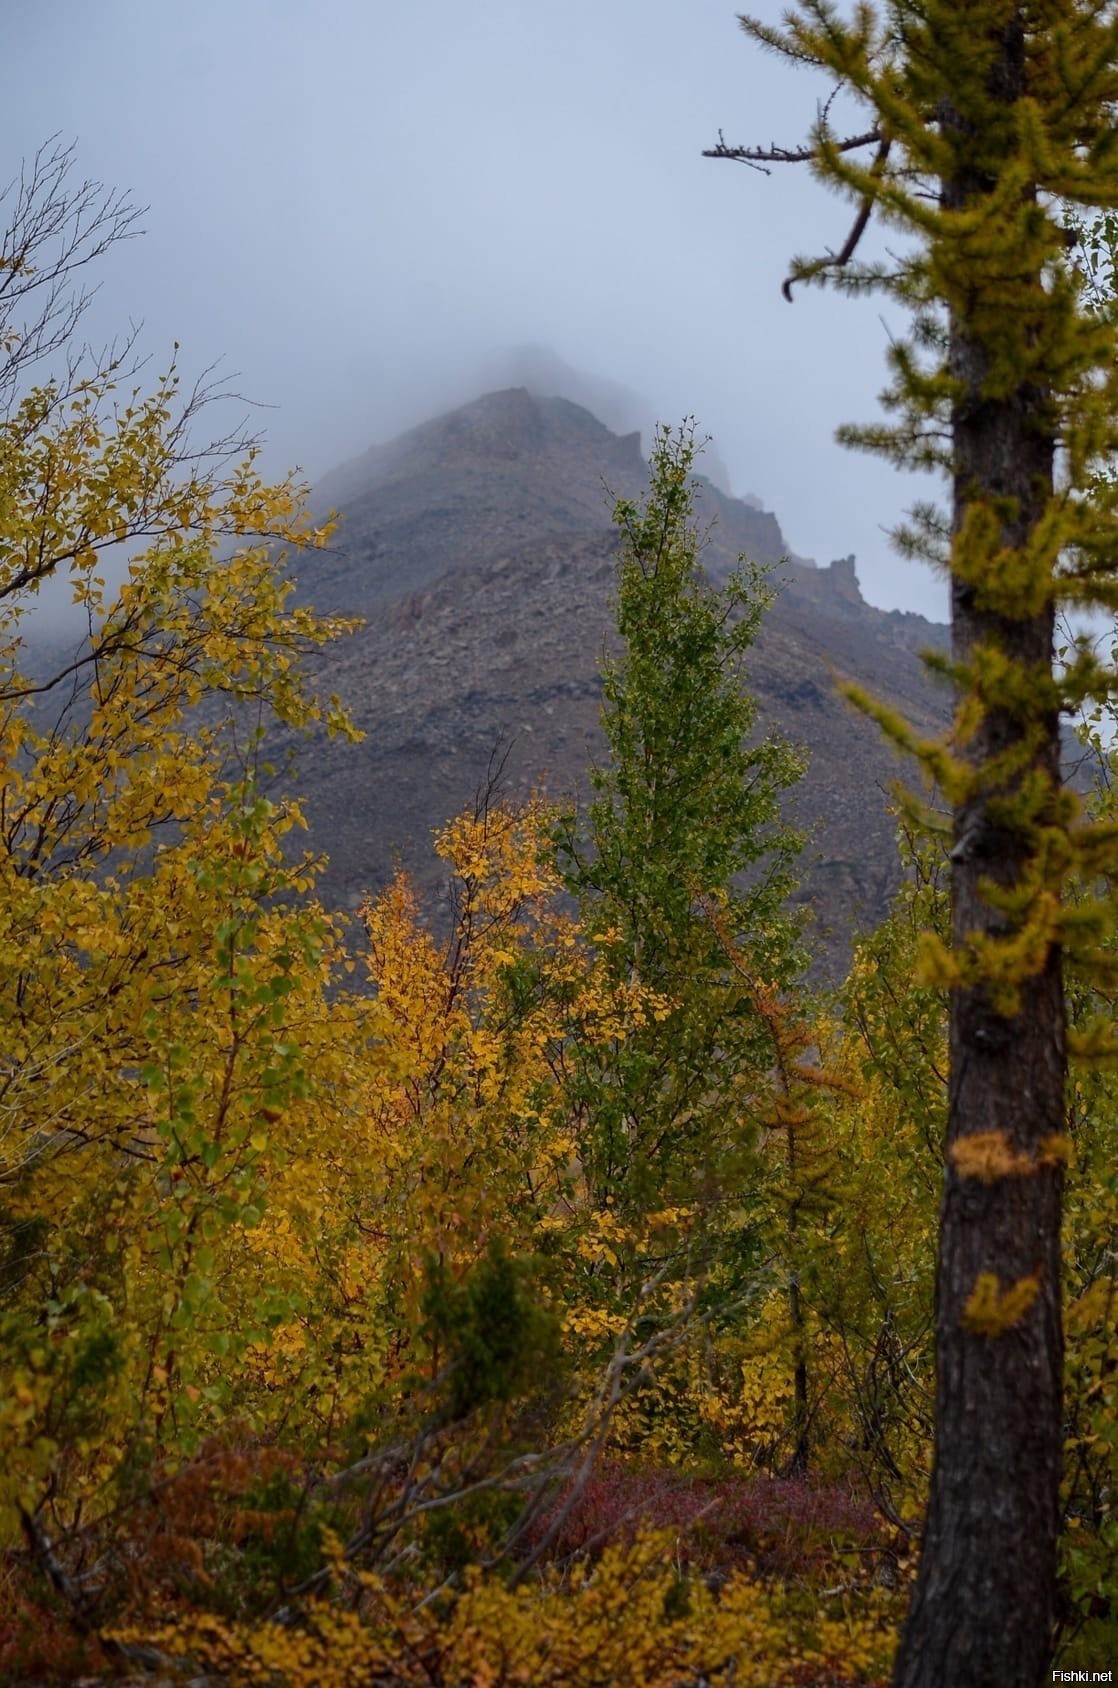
{"x": 480, "y": 550}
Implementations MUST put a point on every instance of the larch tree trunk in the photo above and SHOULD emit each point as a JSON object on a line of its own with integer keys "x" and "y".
{"x": 990, "y": 1537}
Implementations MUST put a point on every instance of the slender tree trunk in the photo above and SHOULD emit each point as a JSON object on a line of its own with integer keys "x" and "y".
{"x": 801, "y": 1450}
{"x": 982, "y": 1612}
{"x": 801, "y": 1411}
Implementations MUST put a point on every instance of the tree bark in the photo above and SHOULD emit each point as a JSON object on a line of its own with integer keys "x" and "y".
{"x": 982, "y": 1612}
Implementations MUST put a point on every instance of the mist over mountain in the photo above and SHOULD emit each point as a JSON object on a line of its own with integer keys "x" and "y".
{"x": 544, "y": 374}
{"x": 480, "y": 550}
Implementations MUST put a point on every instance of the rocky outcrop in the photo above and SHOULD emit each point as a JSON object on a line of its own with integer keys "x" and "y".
{"x": 481, "y": 483}
{"x": 480, "y": 550}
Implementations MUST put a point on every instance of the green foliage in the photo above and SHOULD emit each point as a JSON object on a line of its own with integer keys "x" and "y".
{"x": 493, "y": 1336}
{"x": 685, "y": 814}
{"x": 1089, "y": 1544}
{"x": 872, "y": 1290}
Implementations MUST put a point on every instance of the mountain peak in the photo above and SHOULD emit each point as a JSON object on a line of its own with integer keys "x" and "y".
{"x": 552, "y": 435}
{"x": 472, "y": 485}
{"x": 514, "y": 422}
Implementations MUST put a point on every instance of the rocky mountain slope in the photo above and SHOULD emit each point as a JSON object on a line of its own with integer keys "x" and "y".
{"x": 480, "y": 551}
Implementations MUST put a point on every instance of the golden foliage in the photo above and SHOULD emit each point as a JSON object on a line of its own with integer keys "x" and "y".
{"x": 991, "y": 1311}
{"x": 627, "y": 1620}
{"x": 988, "y": 1156}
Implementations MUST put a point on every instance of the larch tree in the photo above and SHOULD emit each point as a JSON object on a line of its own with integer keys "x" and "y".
{"x": 988, "y": 122}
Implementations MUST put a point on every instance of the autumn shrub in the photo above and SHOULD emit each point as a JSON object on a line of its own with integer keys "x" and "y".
{"x": 38, "y": 1642}
{"x": 1088, "y": 1610}
{"x": 629, "y": 1619}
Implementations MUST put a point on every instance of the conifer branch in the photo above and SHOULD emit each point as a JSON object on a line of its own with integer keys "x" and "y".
{"x": 839, "y": 260}
{"x": 758, "y": 157}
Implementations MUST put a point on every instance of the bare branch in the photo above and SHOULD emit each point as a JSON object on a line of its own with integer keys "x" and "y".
{"x": 758, "y": 157}
{"x": 840, "y": 259}
{"x": 54, "y": 229}
{"x": 44, "y": 1555}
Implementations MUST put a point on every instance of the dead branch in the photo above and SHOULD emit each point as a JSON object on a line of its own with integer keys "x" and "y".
{"x": 42, "y": 1552}
{"x": 840, "y": 259}
{"x": 759, "y": 157}
{"x": 56, "y": 227}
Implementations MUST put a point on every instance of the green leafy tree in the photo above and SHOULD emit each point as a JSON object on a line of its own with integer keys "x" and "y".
{"x": 984, "y": 122}
{"x": 686, "y": 816}
{"x": 874, "y": 1288}
{"x": 683, "y": 871}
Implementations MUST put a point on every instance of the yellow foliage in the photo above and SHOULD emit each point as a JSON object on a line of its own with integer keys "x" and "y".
{"x": 156, "y": 994}
{"x": 627, "y": 1620}
{"x": 991, "y": 1311}
{"x": 226, "y": 1178}
{"x": 989, "y": 1155}
{"x": 469, "y": 1114}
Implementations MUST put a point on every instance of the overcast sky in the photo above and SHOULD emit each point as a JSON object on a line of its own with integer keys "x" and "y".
{"x": 360, "y": 205}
